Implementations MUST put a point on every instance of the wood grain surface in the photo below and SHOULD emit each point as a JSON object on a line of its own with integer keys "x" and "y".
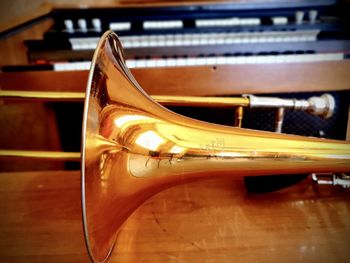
{"x": 208, "y": 221}
{"x": 202, "y": 80}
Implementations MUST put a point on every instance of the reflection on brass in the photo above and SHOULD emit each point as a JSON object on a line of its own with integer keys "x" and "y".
{"x": 66, "y": 156}
{"x": 42, "y": 95}
{"x": 164, "y": 100}
{"x": 322, "y": 106}
{"x": 238, "y": 116}
{"x": 133, "y": 147}
{"x": 279, "y": 118}
{"x": 201, "y": 101}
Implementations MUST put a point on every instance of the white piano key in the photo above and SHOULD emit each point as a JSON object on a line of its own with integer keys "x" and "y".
{"x": 150, "y": 63}
{"x": 161, "y": 41}
{"x": 332, "y": 57}
{"x": 231, "y": 60}
{"x": 58, "y": 67}
{"x": 201, "y": 61}
{"x": 259, "y": 59}
{"x": 233, "y": 21}
{"x": 288, "y": 38}
{"x": 126, "y": 44}
{"x": 133, "y": 41}
{"x": 299, "y": 17}
{"x": 120, "y": 26}
{"x": 187, "y": 41}
{"x": 82, "y": 25}
{"x": 178, "y": 40}
{"x": 211, "y": 40}
{"x": 277, "y": 38}
{"x": 191, "y": 61}
{"x": 221, "y": 60}
{"x": 171, "y": 62}
{"x": 160, "y": 63}
{"x": 211, "y": 61}
{"x": 169, "y": 40}
{"x": 142, "y": 42}
{"x": 96, "y": 24}
{"x": 85, "y": 45}
{"x": 279, "y": 20}
{"x": 182, "y": 62}
{"x": 85, "y": 65}
{"x": 152, "y": 41}
{"x": 313, "y": 16}
{"x": 130, "y": 63}
{"x": 171, "y": 24}
{"x": 203, "y": 39}
{"x": 92, "y": 45}
{"x": 69, "y": 25}
{"x": 71, "y": 66}
{"x": 249, "y": 59}
{"x": 140, "y": 63}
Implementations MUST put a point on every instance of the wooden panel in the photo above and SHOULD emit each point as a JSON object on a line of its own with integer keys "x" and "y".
{"x": 12, "y": 48}
{"x": 28, "y": 126}
{"x": 209, "y": 221}
{"x": 16, "y": 12}
{"x": 220, "y": 80}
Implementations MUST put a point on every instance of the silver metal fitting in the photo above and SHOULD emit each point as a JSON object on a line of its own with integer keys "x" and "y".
{"x": 332, "y": 179}
{"x": 322, "y": 106}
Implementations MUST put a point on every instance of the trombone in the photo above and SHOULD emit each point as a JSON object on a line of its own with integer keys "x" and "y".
{"x": 322, "y": 106}
{"x": 132, "y": 148}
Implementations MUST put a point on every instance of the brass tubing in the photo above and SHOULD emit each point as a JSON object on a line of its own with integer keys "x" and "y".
{"x": 279, "y": 118}
{"x": 164, "y": 100}
{"x": 322, "y": 106}
{"x": 42, "y": 95}
{"x": 201, "y": 101}
{"x": 238, "y": 117}
{"x": 49, "y": 155}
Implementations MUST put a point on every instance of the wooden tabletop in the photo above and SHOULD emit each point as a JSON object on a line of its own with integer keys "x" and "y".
{"x": 209, "y": 221}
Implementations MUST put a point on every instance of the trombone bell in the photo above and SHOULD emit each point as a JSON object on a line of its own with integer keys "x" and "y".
{"x": 132, "y": 148}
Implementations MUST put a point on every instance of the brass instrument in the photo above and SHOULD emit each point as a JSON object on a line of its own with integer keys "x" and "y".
{"x": 320, "y": 106}
{"x": 132, "y": 148}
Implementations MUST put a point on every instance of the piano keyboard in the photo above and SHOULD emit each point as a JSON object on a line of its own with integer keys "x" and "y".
{"x": 197, "y": 35}
{"x": 201, "y": 39}
{"x": 208, "y": 61}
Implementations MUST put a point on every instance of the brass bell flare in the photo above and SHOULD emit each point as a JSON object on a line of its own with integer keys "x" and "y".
{"x": 133, "y": 148}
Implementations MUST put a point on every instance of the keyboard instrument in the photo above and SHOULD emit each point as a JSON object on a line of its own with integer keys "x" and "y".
{"x": 196, "y": 35}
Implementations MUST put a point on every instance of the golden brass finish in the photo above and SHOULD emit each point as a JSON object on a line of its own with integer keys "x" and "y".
{"x": 164, "y": 100}
{"x": 238, "y": 116}
{"x": 279, "y": 118}
{"x": 42, "y": 95}
{"x": 132, "y": 148}
{"x": 66, "y": 156}
{"x": 201, "y": 101}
